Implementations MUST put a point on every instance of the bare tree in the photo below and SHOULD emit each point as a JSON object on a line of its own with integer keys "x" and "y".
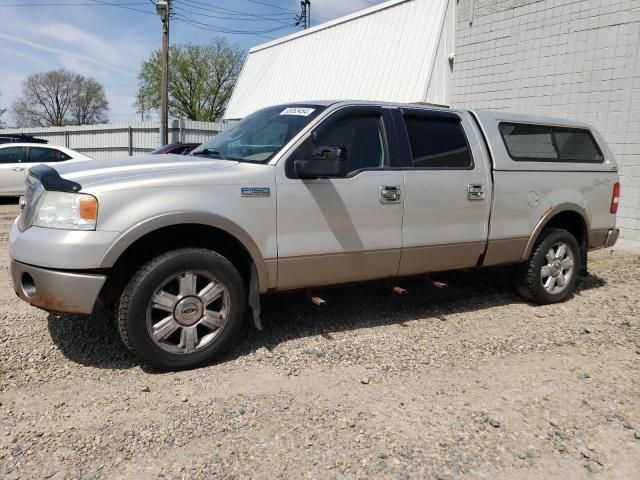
{"x": 140, "y": 105}
{"x": 46, "y": 99}
{"x": 2, "y": 112}
{"x": 201, "y": 80}
{"x": 90, "y": 104}
{"x": 60, "y": 97}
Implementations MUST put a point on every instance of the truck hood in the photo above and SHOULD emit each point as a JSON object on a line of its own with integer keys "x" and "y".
{"x": 93, "y": 172}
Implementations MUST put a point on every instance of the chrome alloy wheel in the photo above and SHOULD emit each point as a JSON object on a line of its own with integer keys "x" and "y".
{"x": 187, "y": 311}
{"x": 558, "y": 270}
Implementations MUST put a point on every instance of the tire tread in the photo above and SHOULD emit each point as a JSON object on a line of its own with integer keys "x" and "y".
{"x": 129, "y": 291}
{"x": 527, "y": 274}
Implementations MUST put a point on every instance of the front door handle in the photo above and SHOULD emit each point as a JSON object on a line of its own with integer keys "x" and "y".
{"x": 390, "y": 194}
{"x": 18, "y": 169}
{"x": 476, "y": 192}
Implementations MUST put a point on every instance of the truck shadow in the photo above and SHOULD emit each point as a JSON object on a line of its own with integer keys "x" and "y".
{"x": 94, "y": 341}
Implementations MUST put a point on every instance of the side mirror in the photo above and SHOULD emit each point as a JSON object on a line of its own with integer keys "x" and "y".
{"x": 325, "y": 162}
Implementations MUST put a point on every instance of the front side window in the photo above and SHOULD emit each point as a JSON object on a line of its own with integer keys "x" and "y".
{"x": 437, "y": 142}
{"x": 46, "y": 155}
{"x": 543, "y": 143}
{"x": 259, "y": 136}
{"x": 11, "y": 155}
{"x": 362, "y": 136}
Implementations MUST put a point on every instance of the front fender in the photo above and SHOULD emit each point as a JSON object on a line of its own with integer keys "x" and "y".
{"x": 139, "y": 230}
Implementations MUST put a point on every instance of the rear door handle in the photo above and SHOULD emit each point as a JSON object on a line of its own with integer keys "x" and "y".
{"x": 390, "y": 194}
{"x": 18, "y": 169}
{"x": 476, "y": 192}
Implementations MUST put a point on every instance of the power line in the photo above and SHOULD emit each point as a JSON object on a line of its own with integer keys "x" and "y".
{"x": 231, "y": 31}
{"x": 238, "y": 15}
{"x": 272, "y": 5}
{"x": 227, "y": 11}
{"x": 236, "y": 18}
{"x": 207, "y": 7}
{"x": 119, "y": 5}
{"x": 56, "y": 4}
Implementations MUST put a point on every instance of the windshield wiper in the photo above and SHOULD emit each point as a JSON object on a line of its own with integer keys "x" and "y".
{"x": 209, "y": 152}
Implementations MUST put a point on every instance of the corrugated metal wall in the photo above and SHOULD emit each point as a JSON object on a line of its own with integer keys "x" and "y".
{"x": 121, "y": 139}
{"x": 386, "y": 52}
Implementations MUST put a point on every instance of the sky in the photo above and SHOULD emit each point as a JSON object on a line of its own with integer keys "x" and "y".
{"x": 109, "y": 39}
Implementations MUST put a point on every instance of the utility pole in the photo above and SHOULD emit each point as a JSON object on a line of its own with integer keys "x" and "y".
{"x": 163, "y": 7}
{"x": 305, "y": 14}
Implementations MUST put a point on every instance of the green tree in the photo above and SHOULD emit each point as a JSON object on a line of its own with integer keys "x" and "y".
{"x": 58, "y": 98}
{"x": 201, "y": 80}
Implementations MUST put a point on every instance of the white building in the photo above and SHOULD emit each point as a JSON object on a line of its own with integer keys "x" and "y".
{"x": 396, "y": 50}
{"x": 570, "y": 58}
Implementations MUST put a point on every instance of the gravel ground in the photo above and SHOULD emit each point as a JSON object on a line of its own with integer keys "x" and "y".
{"x": 466, "y": 381}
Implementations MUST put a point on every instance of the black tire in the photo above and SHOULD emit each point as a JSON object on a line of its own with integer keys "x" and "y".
{"x": 134, "y": 306}
{"x": 529, "y": 274}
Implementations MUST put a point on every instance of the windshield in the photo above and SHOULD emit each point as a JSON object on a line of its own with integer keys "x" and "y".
{"x": 259, "y": 136}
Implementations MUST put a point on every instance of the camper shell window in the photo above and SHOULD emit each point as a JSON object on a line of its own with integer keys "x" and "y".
{"x": 546, "y": 143}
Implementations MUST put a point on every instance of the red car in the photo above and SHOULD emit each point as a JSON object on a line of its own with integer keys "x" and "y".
{"x": 175, "y": 148}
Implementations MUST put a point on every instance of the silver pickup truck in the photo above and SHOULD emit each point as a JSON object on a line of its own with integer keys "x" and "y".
{"x": 305, "y": 195}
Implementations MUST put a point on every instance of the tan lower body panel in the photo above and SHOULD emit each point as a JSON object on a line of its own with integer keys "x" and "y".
{"x": 438, "y": 258}
{"x": 271, "y": 266}
{"x": 504, "y": 251}
{"x": 334, "y": 269}
{"x": 337, "y": 268}
{"x": 598, "y": 238}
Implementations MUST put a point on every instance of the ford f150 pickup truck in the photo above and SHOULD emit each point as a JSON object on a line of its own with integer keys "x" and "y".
{"x": 306, "y": 195}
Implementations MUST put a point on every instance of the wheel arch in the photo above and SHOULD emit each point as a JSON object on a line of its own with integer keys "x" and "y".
{"x": 217, "y": 228}
{"x": 569, "y": 216}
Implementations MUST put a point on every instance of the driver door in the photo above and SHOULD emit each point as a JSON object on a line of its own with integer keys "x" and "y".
{"x": 340, "y": 230}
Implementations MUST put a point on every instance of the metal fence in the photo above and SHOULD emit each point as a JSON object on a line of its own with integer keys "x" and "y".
{"x": 120, "y": 139}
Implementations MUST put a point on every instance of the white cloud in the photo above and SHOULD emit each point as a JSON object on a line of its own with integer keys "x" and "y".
{"x": 78, "y": 38}
{"x": 68, "y": 53}
{"x": 337, "y": 8}
{"x": 82, "y": 67}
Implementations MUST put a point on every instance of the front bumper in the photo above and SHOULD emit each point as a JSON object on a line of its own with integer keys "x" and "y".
{"x": 60, "y": 249}
{"x": 55, "y": 290}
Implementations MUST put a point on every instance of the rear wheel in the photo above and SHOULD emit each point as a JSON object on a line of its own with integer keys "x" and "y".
{"x": 182, "y": 309}
{"x": 550, "y": 274}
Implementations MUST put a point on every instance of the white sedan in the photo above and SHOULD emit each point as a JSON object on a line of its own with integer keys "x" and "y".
{"x": 17, "y": 158}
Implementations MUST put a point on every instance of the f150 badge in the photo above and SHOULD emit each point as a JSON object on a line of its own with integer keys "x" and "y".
{"x": 255, "y": 192}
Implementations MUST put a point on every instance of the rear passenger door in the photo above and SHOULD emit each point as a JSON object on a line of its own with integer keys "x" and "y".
{"x": 12, "y": 170}
{"x": 447, "y": 192}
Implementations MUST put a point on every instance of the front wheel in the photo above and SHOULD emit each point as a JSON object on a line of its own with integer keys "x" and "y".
{"x": 551, "y": 273}
{"x": 182, "y": 309}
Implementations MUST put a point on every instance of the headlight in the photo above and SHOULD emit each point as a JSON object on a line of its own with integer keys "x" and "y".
{"x": 67, "y": 211}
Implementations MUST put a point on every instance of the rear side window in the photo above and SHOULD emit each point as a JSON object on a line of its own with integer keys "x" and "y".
{"x": 437, "y": 142}
{"x": 543, "y": 143}
{"x": 40, "y": 155}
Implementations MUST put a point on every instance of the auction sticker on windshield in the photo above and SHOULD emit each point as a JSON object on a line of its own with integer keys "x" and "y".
{"x": 301, "y": 111}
